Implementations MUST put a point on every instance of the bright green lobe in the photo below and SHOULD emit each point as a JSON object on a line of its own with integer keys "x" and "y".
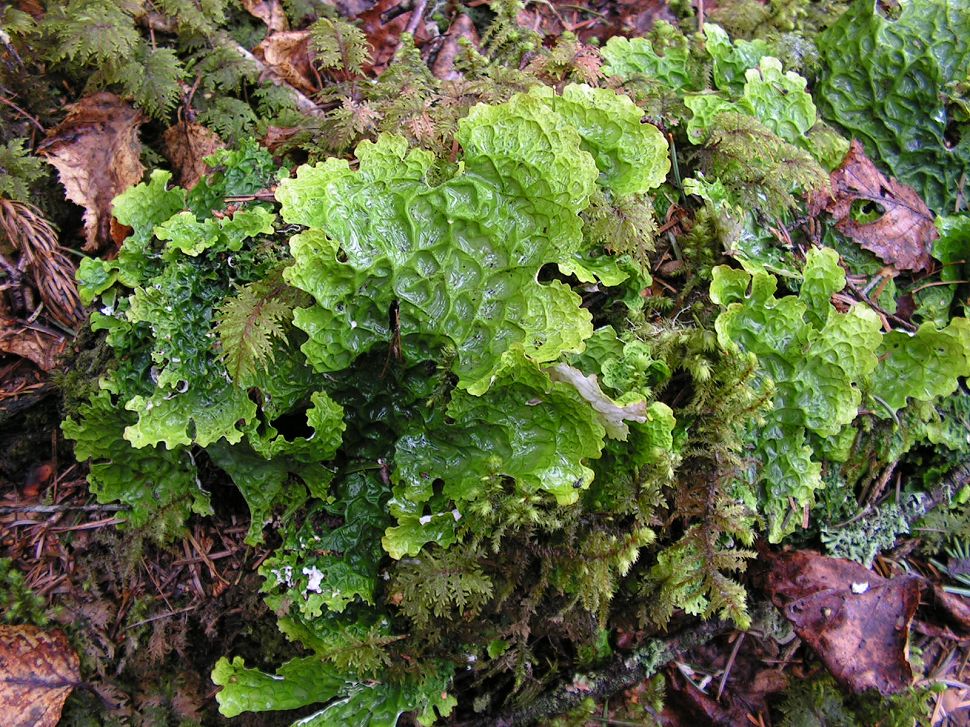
{"x": 454, "y": 264}
{"x": 527, "y": 429}
{"x": 812, "y": 356}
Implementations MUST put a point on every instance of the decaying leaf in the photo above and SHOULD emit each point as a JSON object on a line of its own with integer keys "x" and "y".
{"x": 38, "y": 345}
{"x": 278, "y": 136}
{"x": 187, "y": 144}
{"x": 38, "y": 670}
{"x": 96, "y": 153}
{"x": 383, "y": 24}
{"x": 270, "y": 12}
{"x": 903, "y": 231}
{"x": 612, "y": 416}
{"x": 855, "y": 620}
{"x": 289, "y": 55}
{"x": 444, "y": 64}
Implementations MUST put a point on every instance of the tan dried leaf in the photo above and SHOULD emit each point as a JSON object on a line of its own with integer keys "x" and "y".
{"x": 611, "y": 415}
{"x": 902, "y": 235}
{"x": 289, "y": 56}
{"x": 855, "y": 620}
{"x": 41, "y": 347}
{"x": 444, "y": 63}
{"x": 278, "y": 136}
{"x": 187, "y": 144}
{"x": 38, "y": 670}
{"x": 270, "y": 12}
{"x": 96, "y": 153}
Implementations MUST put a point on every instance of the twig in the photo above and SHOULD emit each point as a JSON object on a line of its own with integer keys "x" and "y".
{"x": 15, "y": 107}
{"x": 622, "y": 672}
{"x": 159, "y": 617}
{"x": 879, "y": 309}
{"x": 416, "y": 15}
{"x": 62, "y": 508}
{"x": 89, "y": 526}
{"x": 268, "y": 195}
{"x": 958, "y": 478}
{"x": 730, "y": 663}
{"x": 939, "y": 282}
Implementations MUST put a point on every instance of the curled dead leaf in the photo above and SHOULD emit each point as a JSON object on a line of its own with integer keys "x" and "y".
{"x": 278, "y": 136}
{"x": 861, "y": 634}
{"x": 39, "y": 345}
{"x": 900, "y": 231}
{"x": 444, "y": 63}
{"x": 96, "y": 153}
{"x": 38, "y": 670}
{"x": 612, "y": 416}
{"x": 187, "y": 144}
{"x": 270, "y": 12}
{"x": 289, "y": 55}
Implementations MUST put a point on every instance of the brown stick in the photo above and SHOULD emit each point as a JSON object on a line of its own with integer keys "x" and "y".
{"x": 624, "y": 671}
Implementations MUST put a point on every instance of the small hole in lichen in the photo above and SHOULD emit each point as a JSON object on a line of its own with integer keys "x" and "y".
{"x": 865, "y": 211}
{"x": 951, "y": 134}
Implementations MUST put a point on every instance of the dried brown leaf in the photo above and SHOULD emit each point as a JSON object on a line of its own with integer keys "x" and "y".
{"x": 279, "y": 136}
{"x": 902, "y": 235}
{"x": 270, "y": 12}
{"x": 685, "y": 705}
{"x": 444, "y": 63}
{"x": 187, "y": 144}
{"x": 38, "y": 670}
{"x": 855, "y": 620}
{"x": 383, "y": 24}
{"x": 353, "y": 8}
{"x": 41, "y": 347}
{"x": 96, "y": 153}
{"x": 289, "y": 56}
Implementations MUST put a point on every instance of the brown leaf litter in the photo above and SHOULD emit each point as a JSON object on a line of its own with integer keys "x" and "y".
{"x": 270, "y": 12}
{"x": 38, "y": 670}
{"x": 41, "y": 346}
{"x": 290, "y": 57}
{"x": 903, "y": 233}
{"x": 856, "y": 621}
{"x": 383, "y": 24}
{"x": 187, "y": 144}
{"x": 444, "y": 63}
{"x": 96, "y": 153}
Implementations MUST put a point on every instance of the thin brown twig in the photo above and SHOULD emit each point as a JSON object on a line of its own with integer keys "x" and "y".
{"x": 61, "y": 508}
{"x": 89, "y": 526}
{"x": 729, "y": 665}
{"x": 15, "y": 107}
{"x": 206, "y": 559}
{"x": 938, "y": 283}
{"x": 159, "y": 617}
{"x": 879, "y": 309}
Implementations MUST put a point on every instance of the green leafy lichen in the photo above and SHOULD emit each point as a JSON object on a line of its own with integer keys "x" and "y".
{"x": 813, "y": 356}
{"x": 892, "y": 82}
